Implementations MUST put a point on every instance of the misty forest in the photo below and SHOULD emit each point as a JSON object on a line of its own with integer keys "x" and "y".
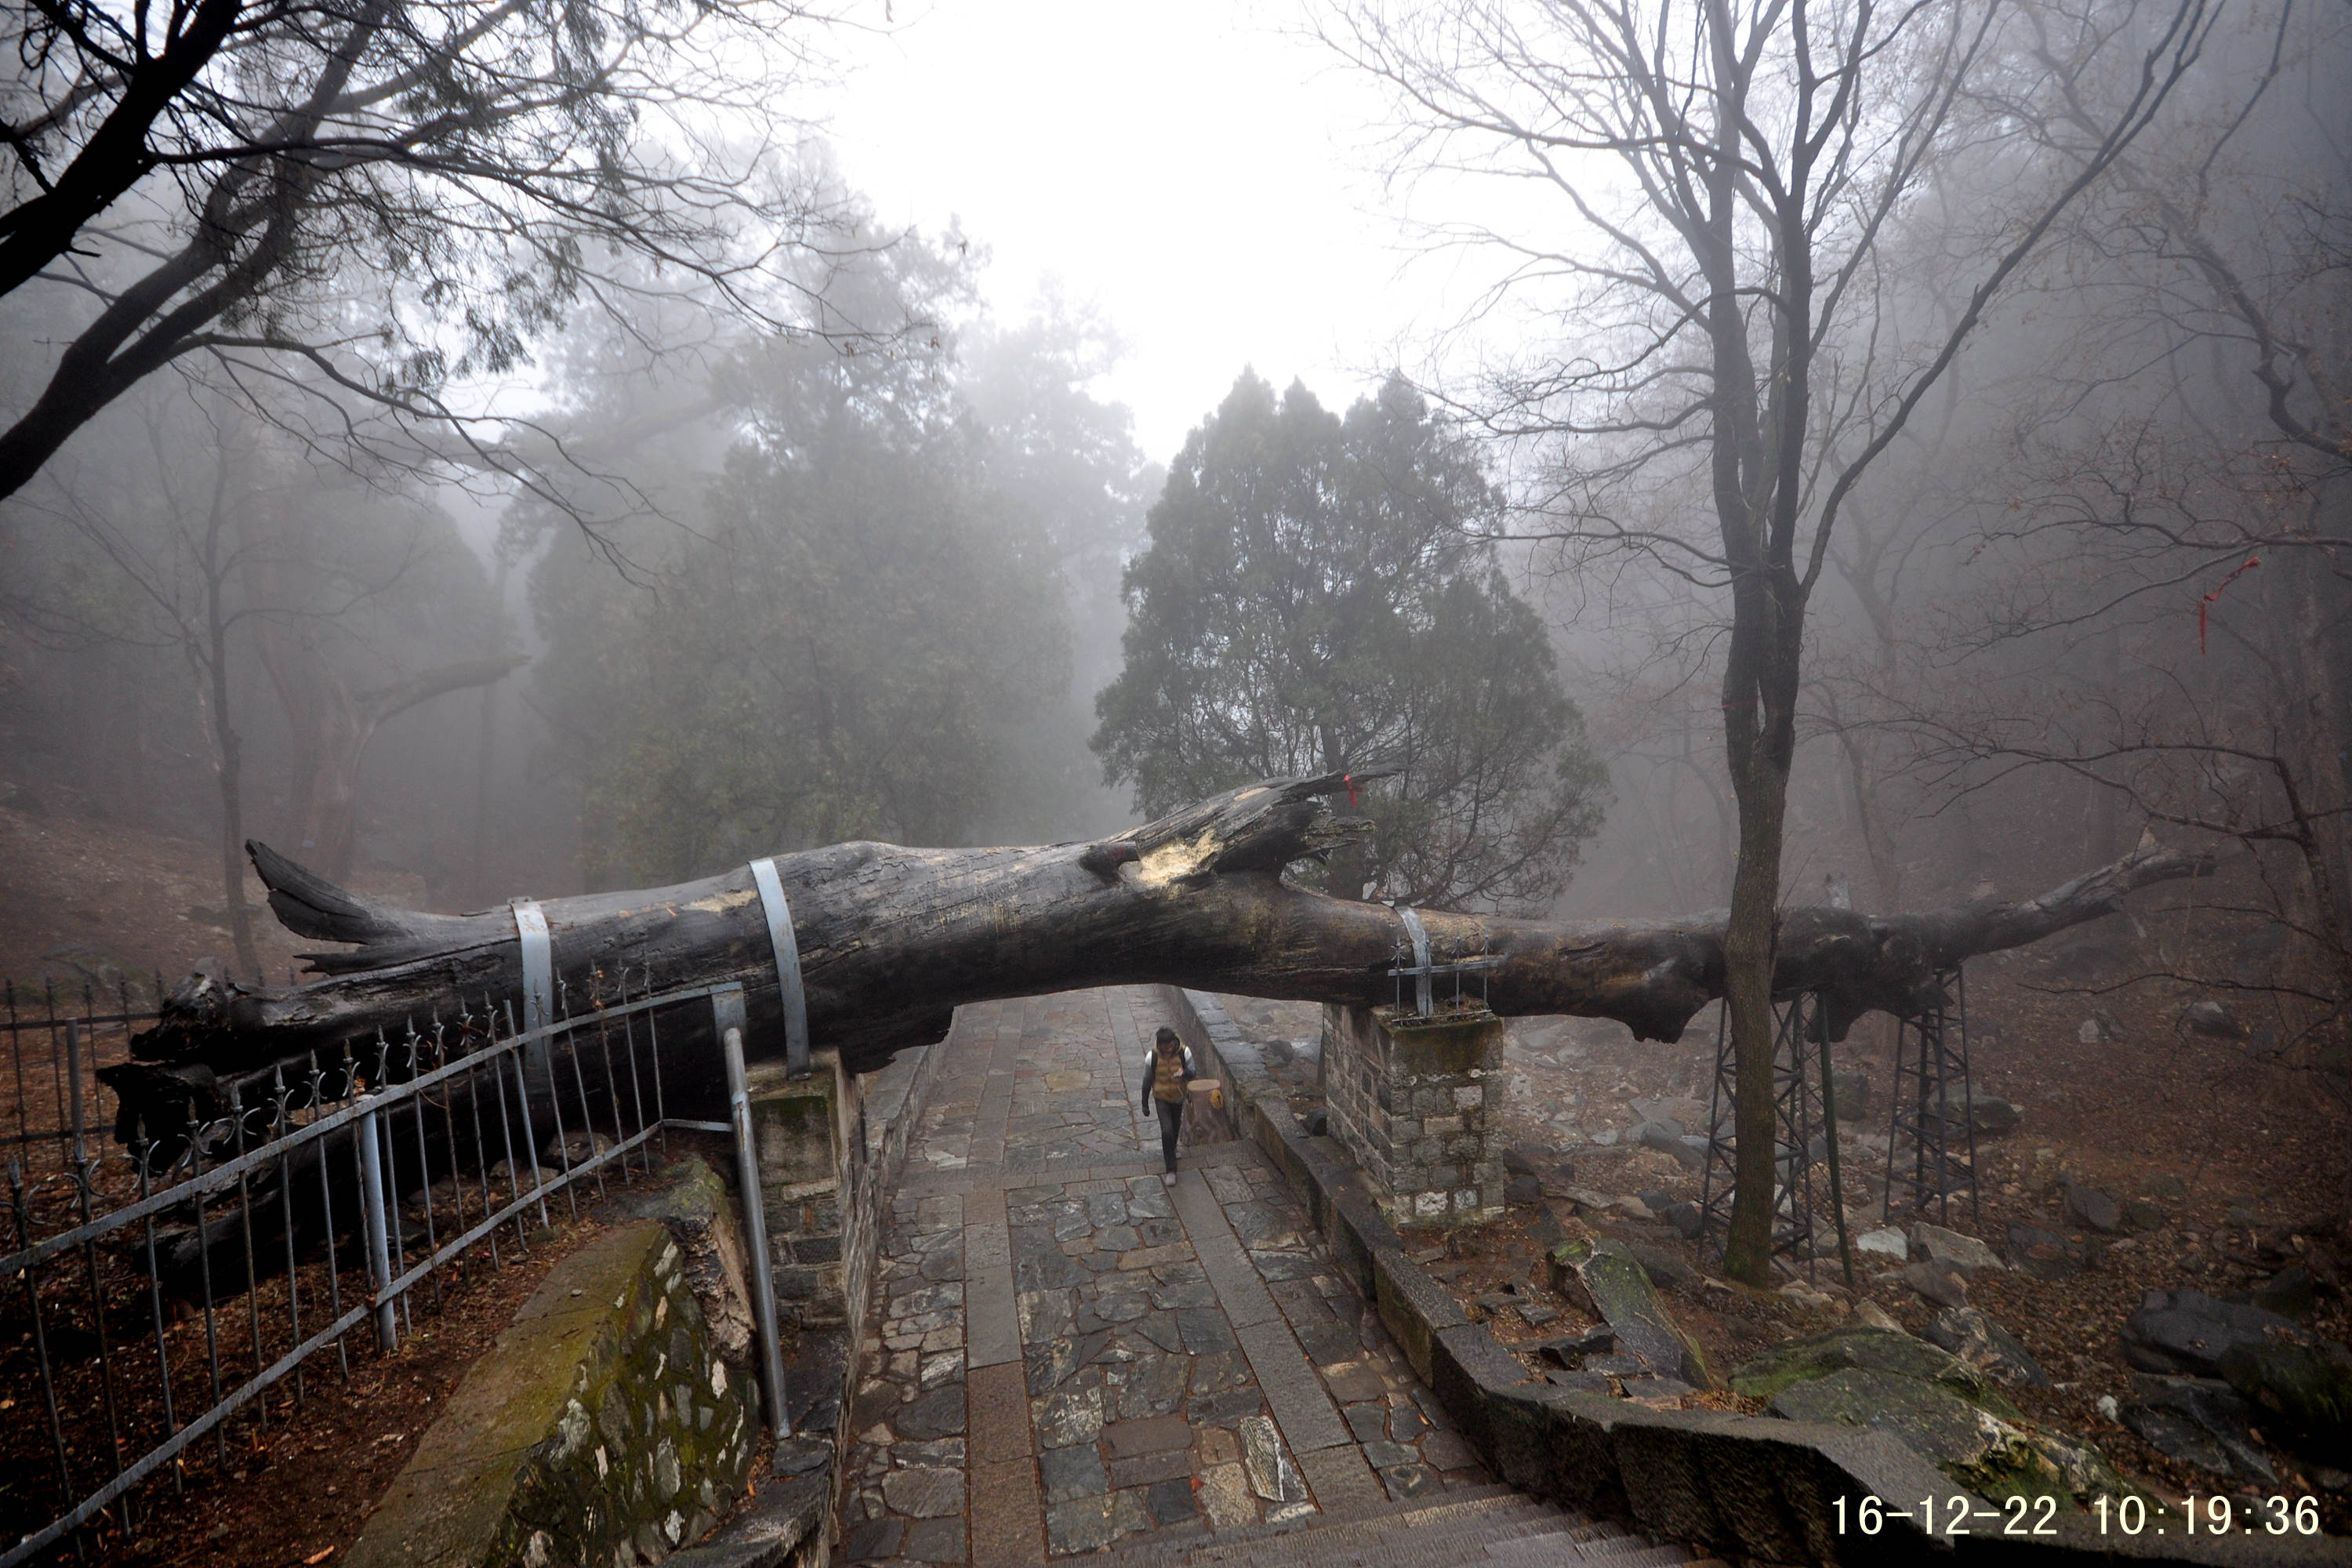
{"x": 1778, "y": 577}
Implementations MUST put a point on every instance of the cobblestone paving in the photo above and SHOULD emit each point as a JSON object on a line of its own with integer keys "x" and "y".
{"x": 1065, "y": 1353}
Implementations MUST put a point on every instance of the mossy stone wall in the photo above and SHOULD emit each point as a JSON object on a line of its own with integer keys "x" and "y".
{"x": 601, "y": 1428}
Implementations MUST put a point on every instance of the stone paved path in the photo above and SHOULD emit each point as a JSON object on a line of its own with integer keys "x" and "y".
{"x": 1069, "y": 1354}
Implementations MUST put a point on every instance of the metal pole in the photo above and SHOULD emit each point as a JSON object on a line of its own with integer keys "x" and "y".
{"x": 726, "y": 1010}
{"x": 1829, "y": 1132}
{"x": 378, "y": 1241}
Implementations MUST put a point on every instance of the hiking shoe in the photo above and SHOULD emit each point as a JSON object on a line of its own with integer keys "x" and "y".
{"x": 1166, "y": 1178}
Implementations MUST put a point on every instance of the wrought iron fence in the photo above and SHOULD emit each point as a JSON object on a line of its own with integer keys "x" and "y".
{"x": 58, "y": 1036}
{"x": 158, "y": 1290}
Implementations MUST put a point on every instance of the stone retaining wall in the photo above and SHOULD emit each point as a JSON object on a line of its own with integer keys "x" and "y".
{"x": 602, "y": 1428}
{"x": 1754, "y": 1486}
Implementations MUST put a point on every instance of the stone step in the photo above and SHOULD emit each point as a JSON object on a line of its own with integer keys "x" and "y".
{"x": 1613, "y": 1550}
{"x": 1404, "y": 1545}
{"x": 1328, "y": 1541}
{"x": 1522, "y": 1542}
{"x": 1499, "y": 1529}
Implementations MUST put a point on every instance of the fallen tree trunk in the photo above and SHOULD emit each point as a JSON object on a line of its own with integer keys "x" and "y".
{"x": 892, "y": 939}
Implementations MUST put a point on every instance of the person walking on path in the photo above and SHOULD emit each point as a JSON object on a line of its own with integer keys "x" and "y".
{"x": 1166, "y": 1071}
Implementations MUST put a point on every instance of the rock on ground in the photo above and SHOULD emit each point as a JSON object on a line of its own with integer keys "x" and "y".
{"x": 1984, "y": 1344}
{"x": 1932, "y": 1402}
{"x": 2043, "y": 1254}
{"x": 1884, "y": 1242}
{"x": 2186, "y": 1332}
{"x": 1608, "y": 1279}
{"x": 1964, "y": 1253}
{"x": 2306, "y": 1390}
{"x": 2199, "y": 1421}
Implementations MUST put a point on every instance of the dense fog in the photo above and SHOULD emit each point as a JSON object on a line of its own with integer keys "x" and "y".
{"x": 483, "y": 544}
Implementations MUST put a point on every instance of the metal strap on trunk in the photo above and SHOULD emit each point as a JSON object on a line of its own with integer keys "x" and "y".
{"x": 787, "y": 950}
{"x": 1424, "y": 1004}
{"x": 538, "y": 974}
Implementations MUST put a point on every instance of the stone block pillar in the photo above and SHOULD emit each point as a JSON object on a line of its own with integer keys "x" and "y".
{"x": 1407, "y": 1097}
{"x": 802, "y": 1128}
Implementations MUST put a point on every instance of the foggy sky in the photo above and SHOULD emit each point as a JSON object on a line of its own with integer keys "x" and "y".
{"x": 1207, "y": 173}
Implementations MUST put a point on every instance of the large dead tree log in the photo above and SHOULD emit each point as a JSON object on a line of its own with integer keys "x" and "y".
{"x": 892, "y": 939}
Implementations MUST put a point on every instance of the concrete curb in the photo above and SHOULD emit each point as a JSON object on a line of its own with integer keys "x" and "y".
{"x": 1757, "y": 1487}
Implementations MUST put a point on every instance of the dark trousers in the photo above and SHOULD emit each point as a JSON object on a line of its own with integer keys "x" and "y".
{"x": 1172, "y": 1122}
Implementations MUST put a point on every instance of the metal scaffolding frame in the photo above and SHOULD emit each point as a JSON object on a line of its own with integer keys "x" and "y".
{"x": 1801, "y": 1099}
{"x": 1931, "y": 1062}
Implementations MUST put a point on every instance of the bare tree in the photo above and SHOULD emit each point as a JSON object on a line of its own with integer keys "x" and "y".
{"x": 185, "y": 566}
{"x": 2167, "y": 617}
{"x": 373, "y": 200}
{"x": 1733, "y": 174}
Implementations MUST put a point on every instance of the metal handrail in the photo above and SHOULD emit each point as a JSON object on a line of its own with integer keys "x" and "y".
{"x": 376, "y": 1098}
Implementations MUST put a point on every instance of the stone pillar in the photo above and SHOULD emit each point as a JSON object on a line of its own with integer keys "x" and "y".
{"x": 801, "y": 1129}
{"x": 1407, "y": 1097}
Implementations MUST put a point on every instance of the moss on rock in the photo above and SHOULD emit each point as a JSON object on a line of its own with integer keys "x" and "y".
{"x": 1870, "y": 1350}
{"x": 600, "y": 1427}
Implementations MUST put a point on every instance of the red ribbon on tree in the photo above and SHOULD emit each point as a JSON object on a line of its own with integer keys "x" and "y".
{"x": 1350, "y": 780}
{"x": 2252, "y": 562}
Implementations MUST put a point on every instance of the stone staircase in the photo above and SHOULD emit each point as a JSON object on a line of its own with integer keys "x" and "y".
{"x": 1489, "y": 1527}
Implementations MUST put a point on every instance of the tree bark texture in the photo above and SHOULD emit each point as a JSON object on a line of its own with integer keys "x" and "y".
{"x": 892, "y": 939}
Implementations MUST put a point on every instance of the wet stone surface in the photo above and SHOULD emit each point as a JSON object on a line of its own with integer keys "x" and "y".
{"x": 1143, "y": 1410}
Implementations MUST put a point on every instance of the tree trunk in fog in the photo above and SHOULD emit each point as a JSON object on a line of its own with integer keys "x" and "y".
{"x": 893, "y": 940}
{"x": 229, "y": 769}
{"x": 332, "y": 725}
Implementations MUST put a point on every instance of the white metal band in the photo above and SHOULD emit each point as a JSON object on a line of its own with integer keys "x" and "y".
{"x": 787, "y": 950}
{"x": 538, "y": 972}
{"x": 1424, "y": 1002}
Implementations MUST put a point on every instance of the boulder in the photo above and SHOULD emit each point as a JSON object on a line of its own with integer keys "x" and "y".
{"x": 1522, "y": 1190}
{"x": 1870, "y": 1350}
{"x": 2094, "y": 1208}
{"x": 1932, "y": 1402}
{"x": 1985, "y": 1112}
{"x": 1931, "y": 1419}
{"x": 2305, "y": 1388}
{"x": 1318, "y": 1122}
{"x": 1519, "y": 1159}
{"x": 2289, "y": 1292}
{"x": 1667, "y": 1138}
{"x": 2186, "y": 1332}
{"x": 2142, "y": 1216}
{"x": 1984, "y": 1344}
{"x": 1607, "y": 1280}
{"x": 1965, "y": 1254}
{"x": 2200, "y": 1421}
{"x": 1687, "y": 1218}
{"x": 1665, "y": 1270}
{"x": 1938, "y": 1282}
{"x": 2044, "y": 1254}
{"x": 1884, "y": 1242}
